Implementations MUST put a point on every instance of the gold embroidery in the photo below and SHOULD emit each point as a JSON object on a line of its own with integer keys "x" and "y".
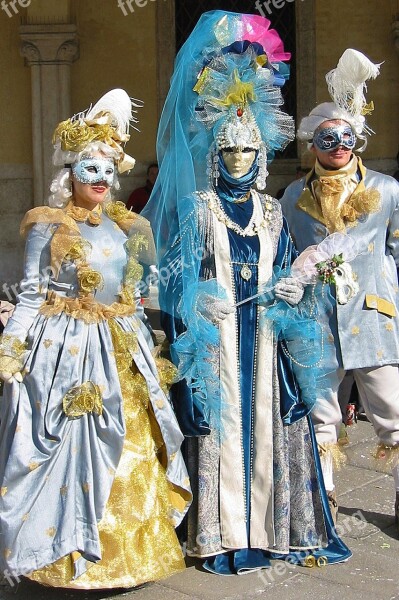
{"x": 389, "y": 326}
{"x": 83, "y": 399}
{"x": 334, "y": 450}
{"x": 371, "y": 247}
{"x": 160, "y": 403}
{"x": 79, "y": 250}
{"x": 47, "y": 343}
{"x": 87, "y": 309}
{"x": 25, "y": 517}
{"x": 7, "y": 553}
{"x": 107, "y": 252}
{"x": 51, "y": 531}
{"x": 167, "y": 373}
{"x": 380, "y": 354}
{"x": 3, "y": 490}
{"x": 33, "y": 465}
{"x": 118, "y": 212}
{"x": 388, "y": 455}
{"x": 64, "y": 490}
{"x": 75, "y": 135}
{"x": 355, "y": 330}
{"x": 86, "y": 487}
{"x": 396, "y": 233}
{"x": 73, "y": 350}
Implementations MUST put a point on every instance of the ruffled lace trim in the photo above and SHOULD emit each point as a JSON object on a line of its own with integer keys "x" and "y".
{"x": 87, "y": 309}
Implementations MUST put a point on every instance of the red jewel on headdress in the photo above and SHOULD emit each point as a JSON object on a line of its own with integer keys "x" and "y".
{"x": 240, "y": 112}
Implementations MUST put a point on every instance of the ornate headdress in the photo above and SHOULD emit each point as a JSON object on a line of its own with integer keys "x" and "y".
{"x": 225, "y": 92}
{"x": 106, "y": 122}
{"x": 103, "y": 127}
{"x": 346, "y": 85}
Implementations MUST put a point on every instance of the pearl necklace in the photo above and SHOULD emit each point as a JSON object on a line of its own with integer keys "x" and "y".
{"x": 254, "y": 225}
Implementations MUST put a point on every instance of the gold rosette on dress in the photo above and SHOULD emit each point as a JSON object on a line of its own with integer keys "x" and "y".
{"x": 89, "y": 280}
{"x": 83, "y": 399}
{"x": 118, "y": 212}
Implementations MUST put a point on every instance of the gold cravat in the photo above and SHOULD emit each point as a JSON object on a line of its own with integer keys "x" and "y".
{"x": 332, "y": 189}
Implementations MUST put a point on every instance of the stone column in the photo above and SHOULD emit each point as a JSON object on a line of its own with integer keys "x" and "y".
{"x": 49, "y": 51}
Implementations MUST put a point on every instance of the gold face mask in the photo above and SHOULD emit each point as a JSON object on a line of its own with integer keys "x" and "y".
{"x": 238, "y": 162}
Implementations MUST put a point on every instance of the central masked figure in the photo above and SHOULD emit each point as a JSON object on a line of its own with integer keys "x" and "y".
{"x": 245, "y": 394}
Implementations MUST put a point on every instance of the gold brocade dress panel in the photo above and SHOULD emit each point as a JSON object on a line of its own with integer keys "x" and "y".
{"x": 138, "y": 540}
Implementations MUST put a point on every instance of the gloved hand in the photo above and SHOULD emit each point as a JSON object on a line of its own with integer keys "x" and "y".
{"x": 12, "y": 358}
{"x": 212, "y": 308}
{"x": 289, "y": 289}
{"x": 8, "y": 377}
{"x": 10, "y": 369}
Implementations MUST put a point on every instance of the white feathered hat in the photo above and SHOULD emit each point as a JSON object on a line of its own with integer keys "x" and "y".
{"x": 346, "y": 85}
{"x": 106, "y": 122}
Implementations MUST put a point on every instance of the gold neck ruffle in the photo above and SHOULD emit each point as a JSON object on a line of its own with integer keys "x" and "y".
{"x": 80, "y": 214}
{"x": 67, "y": 244}
{"x": 65, "y": 221}
{"x": 336, "y": 199}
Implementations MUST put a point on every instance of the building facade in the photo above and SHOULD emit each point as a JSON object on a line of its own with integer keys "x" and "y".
{"x": 57, "y": 57}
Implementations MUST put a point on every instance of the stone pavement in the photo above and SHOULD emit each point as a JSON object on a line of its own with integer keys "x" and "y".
{"x": 366, "y": 499}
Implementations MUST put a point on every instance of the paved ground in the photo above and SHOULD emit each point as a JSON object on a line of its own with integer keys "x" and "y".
{"x": 366, "y": 520}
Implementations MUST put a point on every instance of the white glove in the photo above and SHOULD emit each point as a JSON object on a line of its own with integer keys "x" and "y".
{"x": 8, "y": 377}
{"x": 213, "y": 309}
{"x": 289, "y": 289}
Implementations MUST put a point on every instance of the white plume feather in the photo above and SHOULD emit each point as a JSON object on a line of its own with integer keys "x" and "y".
{"x": 347, "y": 82}
{"x": 117, "y": 104}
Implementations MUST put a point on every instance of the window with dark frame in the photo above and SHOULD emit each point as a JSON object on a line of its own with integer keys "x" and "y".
{"x": 283, "y": 20}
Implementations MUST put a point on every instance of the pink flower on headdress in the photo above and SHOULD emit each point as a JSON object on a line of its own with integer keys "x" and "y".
{"x": 256, "y": 29}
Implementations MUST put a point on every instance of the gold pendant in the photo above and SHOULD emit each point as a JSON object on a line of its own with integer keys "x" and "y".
{"x": 246, "y": 273}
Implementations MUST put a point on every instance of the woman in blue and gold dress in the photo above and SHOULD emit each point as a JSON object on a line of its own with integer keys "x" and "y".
{"x": 92, "y": 478}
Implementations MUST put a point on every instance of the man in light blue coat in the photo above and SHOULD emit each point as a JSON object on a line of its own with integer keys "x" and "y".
{"x": 340, "y": 194}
